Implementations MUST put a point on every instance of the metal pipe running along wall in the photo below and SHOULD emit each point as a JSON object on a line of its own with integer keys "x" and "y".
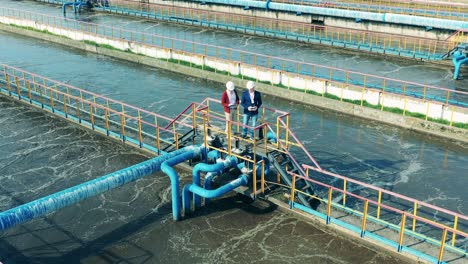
{"x": 427, "y": 22}
{"x": 53, "y": 202}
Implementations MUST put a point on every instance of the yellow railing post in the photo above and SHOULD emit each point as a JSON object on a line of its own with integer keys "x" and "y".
{"x": 91, "y": 115}
{"x": 158, "y": 141}
{"x": 293, "y": 191}
{"x": 442, "y": 246}
{"x": 65, "y": 108}
{"x": 427, "y": 110}
{"x": 78, "y": 112}
{"x": 51, "y": 98}
{"x": 415, "y": 211}
{"x": 194, "y": 117}
{"x": 208, "y": 113}
{"x": 330, "y": 195}
{"x": 18, "y": 87}
{"x": 106, "y": 120}
{"x": 140, "y": 136}
{"x": 277, "y": 132}
{"x": 341, "y": 94}
{"x": 254, "y": 173}
{"x": 81, "y": 96}
{"x": 176, "y": 137}
{"x": 379, "y": 201}
{"x": 287, "y": 131}
{"x": 229, "y": 137}
{"x": 324, "y": 88}
{"x": 364, "y": 218}
{"x": 455, "y": 225}
{"x": 7, "y": 78}
{"x": 175, "y": 134}
{"x": 30, "y": 95}
{"x": 344, "y": 192}
{"x": 362, "y": 96}
{"x": 122, "y": 126}
{"x": 402, "y": 232}
{"x": 404, "y": 96}
{"x": 383, "y": 94}
{"x": 263, "y": 177}
{"x": 451, "y": 117}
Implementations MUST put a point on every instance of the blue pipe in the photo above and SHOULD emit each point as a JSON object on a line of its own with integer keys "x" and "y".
{"x": 53, "y": 202}
{"x": 67, "y": 4}
{"x": 241, "y": 181}
{"x": 78, "y": 6}
{"x": 166, "y": 167}
{"x": 371, "y": 16}
{"x": 209, "y": 176}
{"x": 271, "y": 137}
{"x": 214, "y": 155}
{"x": 458, "y": 60}
{"x": 203, "y": 167}
{"x": 208, "y": 180}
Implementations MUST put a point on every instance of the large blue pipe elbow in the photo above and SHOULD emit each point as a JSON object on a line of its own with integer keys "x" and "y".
{"x": 166, "y": 167}
{"x": 208, "y": 180}
{"x": 64, "y": 6}
{"x": 241, "y": 181}
{"x": 229, "y": 162}
{"x": 53, "y": 202}
{"x": 458, "y": 60}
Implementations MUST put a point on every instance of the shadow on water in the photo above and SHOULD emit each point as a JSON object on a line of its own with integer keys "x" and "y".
{"x": 238, "y": 201}
{"x": 97, "y": 247}
{"x": 84, "y": 249}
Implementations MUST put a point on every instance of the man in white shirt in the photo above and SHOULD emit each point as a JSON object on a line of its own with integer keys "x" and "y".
{"x": 251, "y": 101}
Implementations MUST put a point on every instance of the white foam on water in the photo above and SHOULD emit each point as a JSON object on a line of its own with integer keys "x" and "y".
{"x": 413, "y": 167}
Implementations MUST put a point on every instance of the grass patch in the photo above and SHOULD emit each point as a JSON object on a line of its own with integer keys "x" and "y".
{"x": 45, "y": 31}
{"x": 105, "y": 46}
{"x": 90, "y": 42}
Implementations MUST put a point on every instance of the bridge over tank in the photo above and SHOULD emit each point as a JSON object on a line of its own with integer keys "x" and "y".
{"x": 428, "y": 232}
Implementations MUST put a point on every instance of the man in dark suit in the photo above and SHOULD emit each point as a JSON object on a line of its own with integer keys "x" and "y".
{"x": 251, "y": 101}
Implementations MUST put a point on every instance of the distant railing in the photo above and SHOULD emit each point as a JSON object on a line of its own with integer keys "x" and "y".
{"x": 347, "y": 38}
{"x": 111, "y": 117}
{"x": 450, "y": 9}
{"x": 445, "y": 229}
{"x": 343, "y": 78}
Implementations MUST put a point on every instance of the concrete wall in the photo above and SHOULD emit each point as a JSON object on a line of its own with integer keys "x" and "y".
{"x": 307, "y": 18}
{"x": 154, "y": 55}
